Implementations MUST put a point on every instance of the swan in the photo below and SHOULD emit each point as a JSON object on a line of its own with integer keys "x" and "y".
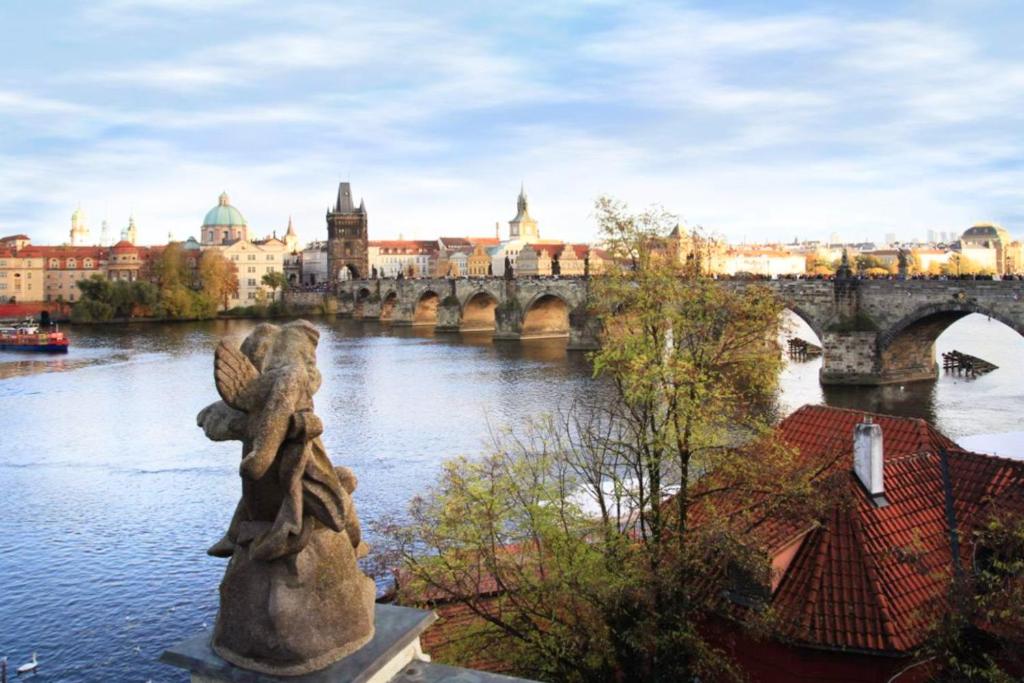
{"x": 31, "y": 666}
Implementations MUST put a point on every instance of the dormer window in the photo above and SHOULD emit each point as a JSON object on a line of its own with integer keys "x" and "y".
{"x": 87, "y": 263}
{"x": 72, "y": 263}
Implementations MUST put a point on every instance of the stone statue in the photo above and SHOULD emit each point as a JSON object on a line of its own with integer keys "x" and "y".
{"x": 374, "y": 271}
{"x": 508, "y": 268}
{"x": 901, "y": 255}
{"x": 556, "y": 266}
{"x": 843, "y": 271}
{"x": 293, "y": 599}
{"x": 586, "y": 265}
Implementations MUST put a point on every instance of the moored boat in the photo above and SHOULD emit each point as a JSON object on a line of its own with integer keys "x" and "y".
{"x": 27, "y": 336}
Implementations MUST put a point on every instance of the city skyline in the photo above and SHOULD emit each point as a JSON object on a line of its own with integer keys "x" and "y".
{"x": 802, "y": 122}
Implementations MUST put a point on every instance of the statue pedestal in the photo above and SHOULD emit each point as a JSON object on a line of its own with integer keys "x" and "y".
{"x": 395, "y": 644}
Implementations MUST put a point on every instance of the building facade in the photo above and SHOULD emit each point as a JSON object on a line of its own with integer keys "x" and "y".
{"x": 253, "y": 260}
{"x": 347, "y": 238}
{"x": 21, "y": 276}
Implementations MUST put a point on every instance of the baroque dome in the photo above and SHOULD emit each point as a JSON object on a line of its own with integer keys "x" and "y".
{"x": 224, "y": 214}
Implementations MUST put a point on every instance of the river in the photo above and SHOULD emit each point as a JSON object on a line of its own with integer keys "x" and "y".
{"x": 111, "y": 494}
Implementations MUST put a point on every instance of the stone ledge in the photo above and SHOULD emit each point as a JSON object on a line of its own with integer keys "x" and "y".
{"x": 397, "y": 629}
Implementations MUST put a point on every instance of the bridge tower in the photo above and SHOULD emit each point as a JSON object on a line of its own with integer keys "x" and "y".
{"x": 347, "y": 228}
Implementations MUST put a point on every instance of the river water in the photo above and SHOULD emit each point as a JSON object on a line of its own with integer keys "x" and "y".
{"x": 109, "y": 493}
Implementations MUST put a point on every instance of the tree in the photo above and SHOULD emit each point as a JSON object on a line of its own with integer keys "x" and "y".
{"x": 978, "y": 635}
{"x": 219, "y": 277}
{"x": 170, "y": 268}
{"x": 275, "y": 280}
{"x": 607, "y": 536}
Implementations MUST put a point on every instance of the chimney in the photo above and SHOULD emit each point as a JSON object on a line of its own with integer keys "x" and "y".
{"x": 868, "y": 459}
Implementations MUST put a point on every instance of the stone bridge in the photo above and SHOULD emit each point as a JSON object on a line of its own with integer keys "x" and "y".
{"x": 523, "y": 308}
{"x": 871, "y": 331}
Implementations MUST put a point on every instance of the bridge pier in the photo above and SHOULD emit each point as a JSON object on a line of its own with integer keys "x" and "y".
{"x": 508, "y": 322}
{"x": 584, "y": 330}
{"x": 448, "y": 315}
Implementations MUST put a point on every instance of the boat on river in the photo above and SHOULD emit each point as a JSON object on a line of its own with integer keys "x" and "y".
{"x": 27, "y": 336}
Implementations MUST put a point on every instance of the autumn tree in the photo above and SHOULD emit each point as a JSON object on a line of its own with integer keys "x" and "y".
{"x": 218, "y": 276}
{"x": 598, "y": 544}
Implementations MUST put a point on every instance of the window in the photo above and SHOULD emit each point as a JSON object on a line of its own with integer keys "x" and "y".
{"x": 270, "y": 257}
{"x": 87, "y": 263}
{"x": 3, "y": 263}
{"x": 252, "y": 282}
{"x": 3, "y": 285}
{"x": 3, "y": 273}
{"x": 54, "y": 263}
{"x": 234, "y": 257}
{"x": 252, "y": 269}
{"x": 72, "y": 263}
{"x": 252, "y": 257}
{"x": 252, "y": 295}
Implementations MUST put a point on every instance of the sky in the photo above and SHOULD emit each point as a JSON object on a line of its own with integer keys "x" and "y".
{"x": 760, "y": 121}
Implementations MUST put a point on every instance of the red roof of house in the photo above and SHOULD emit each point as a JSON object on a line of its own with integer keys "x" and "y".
{"x": 873, "y": 578}
{"x": 485, "y": 241}
{"x": 11, "y": 238}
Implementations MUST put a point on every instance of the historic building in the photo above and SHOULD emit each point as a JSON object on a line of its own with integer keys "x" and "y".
{"x": 223, "y": 224}
{"x": 123, "y": 262}
{"x": 65, "y": 266}
{"x": 253, "y": 260}
{"x": 21, "y": 275}
{"x": 987, "y": 245}
{"x": 478, "y": 263}
{"x": 411, "y": 258}
{"x": 347, "y": 241}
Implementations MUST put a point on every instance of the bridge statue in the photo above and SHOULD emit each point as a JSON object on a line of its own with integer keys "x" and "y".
{"x": 293, "y": 599}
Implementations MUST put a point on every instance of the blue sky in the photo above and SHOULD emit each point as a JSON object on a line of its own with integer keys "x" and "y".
{"x": 758, "y": 120}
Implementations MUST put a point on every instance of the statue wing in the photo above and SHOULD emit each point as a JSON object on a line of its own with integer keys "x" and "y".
{"x": 233, "y": 374}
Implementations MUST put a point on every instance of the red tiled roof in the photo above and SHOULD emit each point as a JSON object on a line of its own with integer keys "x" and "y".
{"x": 873, "y": 578}
{"x": 11, "y": 238}
{"x": 485, "y": 241}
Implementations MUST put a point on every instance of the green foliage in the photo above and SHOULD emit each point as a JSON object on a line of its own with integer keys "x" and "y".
{"x": 979, "y": 633}
{"x": 275, "y": 280}
{"x": 170, "y": 268}
{"x": 103, "y": 299}
{"x": 592, "y": 545}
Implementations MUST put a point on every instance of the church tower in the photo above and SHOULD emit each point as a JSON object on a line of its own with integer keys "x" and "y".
{"x": 347, "y": 247}
{"x": 131, "y": 233}
{"x": 291, "y": 239}
{"x": 523, "y": 227}
{"x": 79, "y": 231}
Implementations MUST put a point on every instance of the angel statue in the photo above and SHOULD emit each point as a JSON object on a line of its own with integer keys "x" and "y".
{"x": 293, "y": 599}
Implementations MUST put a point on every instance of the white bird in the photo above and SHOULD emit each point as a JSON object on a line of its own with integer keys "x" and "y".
{"x": 30, "y": 667}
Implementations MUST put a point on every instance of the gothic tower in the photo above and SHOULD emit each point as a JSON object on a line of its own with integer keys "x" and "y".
{"x": 523, "y": 227}
{"x": 347, "y": 237}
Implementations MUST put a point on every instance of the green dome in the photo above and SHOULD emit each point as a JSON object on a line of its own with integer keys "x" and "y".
{"x": 224, "y": 214}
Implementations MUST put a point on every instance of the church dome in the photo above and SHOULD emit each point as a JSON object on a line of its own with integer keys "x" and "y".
{"x": 986, "y": 231}
{"x": 224, "y": 214}
{"x": 124, "y": 246}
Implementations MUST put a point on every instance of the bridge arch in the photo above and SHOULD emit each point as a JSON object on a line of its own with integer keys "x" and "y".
{"x": 425, "y": 310}
{"x": 926, "y": 323}
{"x": 546, "y": 315}
{"x": 361, "y": 296}
{"x": 811, "y": 321}
{"x": 478, "y": 312}
{"x": 387, "y": 305}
